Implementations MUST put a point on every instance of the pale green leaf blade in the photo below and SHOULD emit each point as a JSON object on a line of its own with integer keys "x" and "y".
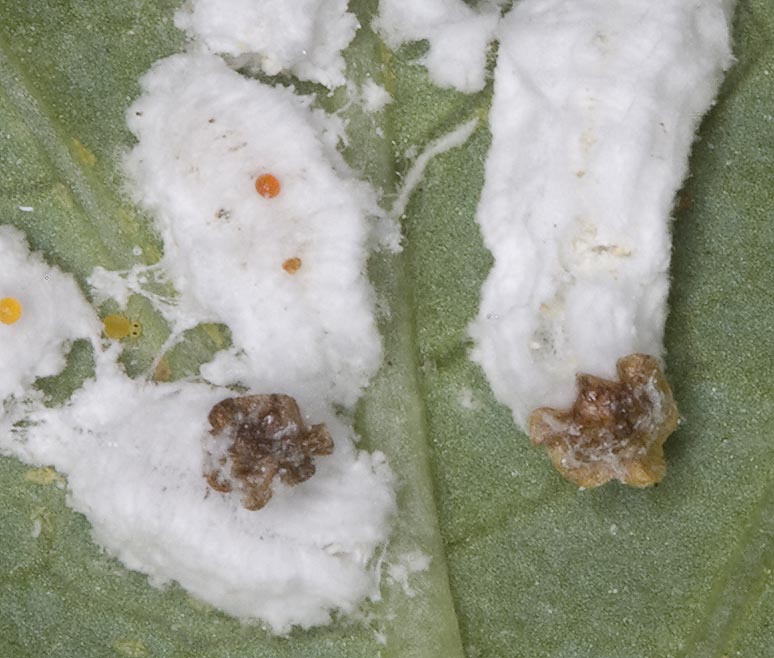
{"x": 535, "y": 567}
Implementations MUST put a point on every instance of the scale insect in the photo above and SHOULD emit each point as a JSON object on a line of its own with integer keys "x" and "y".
{"x": 118, "y": 327}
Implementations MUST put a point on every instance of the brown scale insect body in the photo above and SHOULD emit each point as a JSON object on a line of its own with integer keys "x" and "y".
{"x": 266, "y": 436}
{"x": 615, "y": 429}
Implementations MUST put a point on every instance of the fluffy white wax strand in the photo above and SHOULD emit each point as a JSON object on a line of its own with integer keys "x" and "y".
{"x": 303, "y": 37}
{"x": 458, "y": 37}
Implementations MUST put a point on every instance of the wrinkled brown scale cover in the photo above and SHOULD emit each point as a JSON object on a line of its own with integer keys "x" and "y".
{"x": 266, "y": 436}
{"x": 614, "y": 429}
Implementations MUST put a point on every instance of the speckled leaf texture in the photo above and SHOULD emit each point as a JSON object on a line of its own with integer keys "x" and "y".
{"x": 524, "y": 565}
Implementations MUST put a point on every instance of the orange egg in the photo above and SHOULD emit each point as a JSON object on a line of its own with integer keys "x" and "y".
{"x": 267, "y": 185}
{"x": 292, "y": 265}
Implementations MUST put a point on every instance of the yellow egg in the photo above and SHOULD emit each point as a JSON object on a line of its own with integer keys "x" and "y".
{"x": 10, "y": 310}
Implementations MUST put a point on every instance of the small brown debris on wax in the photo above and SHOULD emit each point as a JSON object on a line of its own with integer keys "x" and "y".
{"x": 256, "y": 437}
{"x": 292, "y": 265}
{"x": 614, "y": 429}
{"x": 683, "y": 202}
{"x": 163, "y": 372}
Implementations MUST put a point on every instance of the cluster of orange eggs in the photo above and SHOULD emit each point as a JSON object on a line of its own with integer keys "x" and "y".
{"x": 268, "y": 186}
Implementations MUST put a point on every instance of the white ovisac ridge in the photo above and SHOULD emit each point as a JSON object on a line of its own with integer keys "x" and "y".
{"x": 204, "y": 134}
{"x": 594, "y": 111}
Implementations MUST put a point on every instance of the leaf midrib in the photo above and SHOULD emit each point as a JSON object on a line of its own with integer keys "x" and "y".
{"x": 401, "y": 368}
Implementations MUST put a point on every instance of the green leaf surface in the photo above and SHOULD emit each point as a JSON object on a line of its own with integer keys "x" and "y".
{"x": 523, "y": 564}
